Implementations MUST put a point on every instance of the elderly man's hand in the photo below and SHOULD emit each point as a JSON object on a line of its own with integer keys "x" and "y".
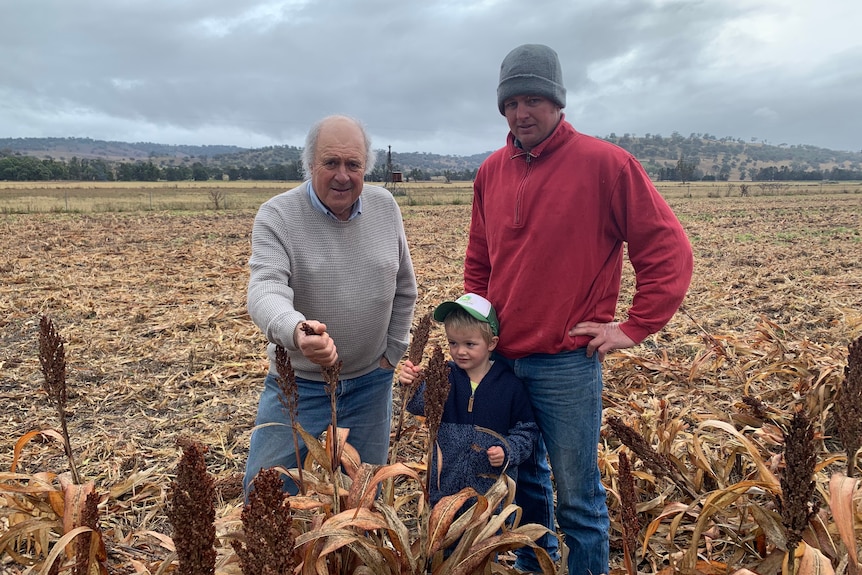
{"x": 314, "y": 343}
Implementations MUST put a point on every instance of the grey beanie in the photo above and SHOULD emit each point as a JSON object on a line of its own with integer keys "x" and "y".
{"x": 531, "y": 69}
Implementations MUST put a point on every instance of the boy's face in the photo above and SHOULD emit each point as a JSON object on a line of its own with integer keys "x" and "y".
{"x": 468, "y": 347}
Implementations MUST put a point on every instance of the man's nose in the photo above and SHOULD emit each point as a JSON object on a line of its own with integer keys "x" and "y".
{"x": 342, "y": 173}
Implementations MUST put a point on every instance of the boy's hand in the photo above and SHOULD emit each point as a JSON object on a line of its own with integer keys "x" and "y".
{"x": 409, "y": 373}
{"x": 496, "y": 456}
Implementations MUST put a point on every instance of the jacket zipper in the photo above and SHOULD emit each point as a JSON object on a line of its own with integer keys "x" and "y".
{"x": 528, "y": 159}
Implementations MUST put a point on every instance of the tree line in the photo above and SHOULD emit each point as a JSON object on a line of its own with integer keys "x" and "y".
{"x": 29, "y": 168}
{"x": 699, "y": 157}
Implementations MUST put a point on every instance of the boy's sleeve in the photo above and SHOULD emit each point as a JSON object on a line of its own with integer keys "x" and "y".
{"x": 524, "y": 433}
{"x": 521, "y": 439}
{"x": 416, "y": 404}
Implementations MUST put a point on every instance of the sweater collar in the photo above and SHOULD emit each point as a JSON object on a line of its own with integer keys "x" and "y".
{"x": 561, "y": 134}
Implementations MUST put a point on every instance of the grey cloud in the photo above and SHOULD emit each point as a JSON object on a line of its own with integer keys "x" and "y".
{"x": 421, "y": 75}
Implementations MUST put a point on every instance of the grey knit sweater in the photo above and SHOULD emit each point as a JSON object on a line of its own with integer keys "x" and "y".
{"x": 354, "y": 276}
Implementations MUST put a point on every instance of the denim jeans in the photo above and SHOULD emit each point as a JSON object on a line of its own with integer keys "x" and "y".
{"x": 363, "y": 404}
{"x": 566, "y": 393}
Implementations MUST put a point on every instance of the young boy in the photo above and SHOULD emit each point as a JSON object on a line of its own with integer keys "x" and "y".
{"x": 482, "y": 393}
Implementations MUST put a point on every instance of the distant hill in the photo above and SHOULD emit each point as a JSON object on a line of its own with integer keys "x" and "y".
{"x": 731, "y": 157}
{"x": 81, "y": 148}
{"x": 705, "y": 156}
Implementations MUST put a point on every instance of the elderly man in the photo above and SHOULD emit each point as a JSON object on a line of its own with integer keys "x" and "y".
{"x": 330, "y": 254}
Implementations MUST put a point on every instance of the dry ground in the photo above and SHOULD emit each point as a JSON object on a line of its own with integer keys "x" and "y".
{"x": 158, "y": 342}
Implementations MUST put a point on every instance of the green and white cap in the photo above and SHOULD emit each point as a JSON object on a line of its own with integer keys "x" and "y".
{"x": 475, "y": 305}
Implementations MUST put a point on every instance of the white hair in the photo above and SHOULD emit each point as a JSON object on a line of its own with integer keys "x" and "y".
{"x": 310, "y": 149}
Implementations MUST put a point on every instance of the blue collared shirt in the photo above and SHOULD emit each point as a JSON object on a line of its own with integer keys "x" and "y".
{"x": 319, "y": 206}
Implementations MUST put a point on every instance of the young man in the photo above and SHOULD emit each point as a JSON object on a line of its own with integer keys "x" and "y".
{"x": 482, "y": 393}
{"x": 552, "y": 211}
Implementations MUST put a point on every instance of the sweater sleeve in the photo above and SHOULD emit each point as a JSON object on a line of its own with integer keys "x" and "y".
{"x": 477, "y": 263}
{"x": 522, "y": 436}
{"x": 658, "y": 249}
{"x": 521, "y": 439}
{"x": 416, "y": 404}
{"x": 398, "y": 334}
{"x": 270, "y": 297}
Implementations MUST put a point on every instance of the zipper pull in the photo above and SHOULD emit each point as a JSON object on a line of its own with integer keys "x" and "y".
{"x": 470, "y": 403}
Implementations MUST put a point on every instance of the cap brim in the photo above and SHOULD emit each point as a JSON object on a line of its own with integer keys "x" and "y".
{"x": 445, "y": 309}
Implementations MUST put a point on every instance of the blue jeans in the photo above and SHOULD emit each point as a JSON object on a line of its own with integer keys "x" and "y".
{"x": 566, "y": 393}
{"x": 363, "y": 404}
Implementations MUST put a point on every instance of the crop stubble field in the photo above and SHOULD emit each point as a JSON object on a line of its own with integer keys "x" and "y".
{"x": 89, "y": 197}
{"x": 151, "y": 305}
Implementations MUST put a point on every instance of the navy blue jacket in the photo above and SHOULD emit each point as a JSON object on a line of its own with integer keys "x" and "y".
{"x": 501, "y": 404}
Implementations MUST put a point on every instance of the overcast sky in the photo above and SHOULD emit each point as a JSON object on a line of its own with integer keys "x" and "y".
{"x": 422, "y": 75}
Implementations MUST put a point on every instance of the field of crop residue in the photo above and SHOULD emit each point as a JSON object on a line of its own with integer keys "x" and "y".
{"x": 158, "y": 345}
